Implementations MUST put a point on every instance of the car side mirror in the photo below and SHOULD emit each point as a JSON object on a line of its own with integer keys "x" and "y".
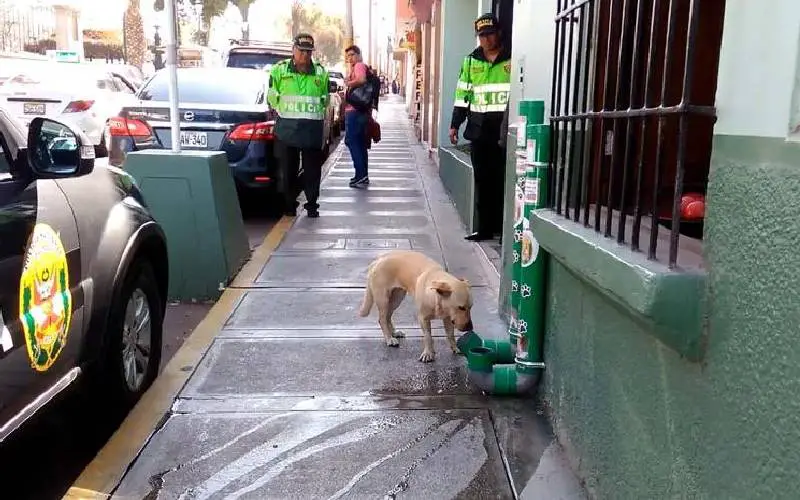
{"x": 332, "y": 87}
{"x": 56, "y": 150}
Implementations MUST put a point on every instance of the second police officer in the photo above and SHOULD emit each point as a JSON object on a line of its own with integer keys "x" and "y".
{"x": 482, "y": 95}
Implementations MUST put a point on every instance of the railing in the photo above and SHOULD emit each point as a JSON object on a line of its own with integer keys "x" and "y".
{"x": 28, "y": 29}
{"x": 615, "y": 100}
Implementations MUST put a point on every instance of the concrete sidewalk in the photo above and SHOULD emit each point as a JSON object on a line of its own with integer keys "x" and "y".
{"x": 297, "y": 397}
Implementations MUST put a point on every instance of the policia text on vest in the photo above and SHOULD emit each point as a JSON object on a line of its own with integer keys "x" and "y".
{"x": 298, "y": 91}
{"x": 482, "y": 93}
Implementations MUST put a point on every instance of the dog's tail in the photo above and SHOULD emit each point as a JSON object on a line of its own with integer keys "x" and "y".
{"x": 366, "y": 305}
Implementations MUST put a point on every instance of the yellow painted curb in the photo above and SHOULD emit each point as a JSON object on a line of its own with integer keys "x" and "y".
{"x": 252, "y": 268}
{"x": 107, "y": 469}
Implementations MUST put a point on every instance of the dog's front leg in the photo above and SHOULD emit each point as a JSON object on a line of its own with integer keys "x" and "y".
{"x": 428, "y": 353}
{"x": 450, "y": 331}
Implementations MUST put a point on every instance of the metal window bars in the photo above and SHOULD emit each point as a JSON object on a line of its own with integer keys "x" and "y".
{"x": 581, "y": 156}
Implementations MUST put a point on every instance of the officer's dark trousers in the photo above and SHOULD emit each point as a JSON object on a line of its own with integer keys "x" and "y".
{"x": 288, "y": 167}
{"x": 488, "y": 166}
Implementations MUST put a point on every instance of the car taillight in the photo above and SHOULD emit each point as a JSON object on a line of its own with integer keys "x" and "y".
{"x": 78, "y": 106}
{"x": 261, "y": 131}
{"x": 128, "y": 127}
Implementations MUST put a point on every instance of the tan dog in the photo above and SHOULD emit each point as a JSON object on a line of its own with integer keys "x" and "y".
{"x": 437, "y": 293}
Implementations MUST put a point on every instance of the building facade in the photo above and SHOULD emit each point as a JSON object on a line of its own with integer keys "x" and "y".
{"x": 670, "y": 348}
{"x": 34, "y": 27}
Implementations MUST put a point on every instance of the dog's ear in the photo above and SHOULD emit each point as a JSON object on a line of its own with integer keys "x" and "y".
{"x": 443, "y": 288}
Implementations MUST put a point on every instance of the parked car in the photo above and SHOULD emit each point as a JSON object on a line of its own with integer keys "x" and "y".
{"x": 84, "y": 94}
{"x": 133, "y": 75}
{"x": 255, "y": 55}
{"x": 338, "y": 77}
{"x": 222, "y": 109}
{"x": 83, "y": 273}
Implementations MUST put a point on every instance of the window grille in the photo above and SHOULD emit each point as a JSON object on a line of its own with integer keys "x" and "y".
{"x": 631, "y": 113}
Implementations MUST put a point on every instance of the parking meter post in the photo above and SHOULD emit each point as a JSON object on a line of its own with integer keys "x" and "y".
{"x": 172, "y": 73}
{"x": 533, "y": 259}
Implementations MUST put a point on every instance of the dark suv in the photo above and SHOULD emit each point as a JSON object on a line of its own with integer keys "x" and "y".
{"x": 83, "y": 273}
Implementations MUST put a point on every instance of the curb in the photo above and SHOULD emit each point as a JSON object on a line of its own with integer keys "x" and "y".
{"x": 103, "y": 474}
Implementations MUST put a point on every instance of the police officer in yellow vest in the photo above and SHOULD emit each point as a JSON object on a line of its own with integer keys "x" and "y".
{"x": 298, "y": 91}
{"x": 482, "y": 93}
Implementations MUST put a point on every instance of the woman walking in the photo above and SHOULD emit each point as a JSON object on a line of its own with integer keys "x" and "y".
{"x": 355, "y": 120}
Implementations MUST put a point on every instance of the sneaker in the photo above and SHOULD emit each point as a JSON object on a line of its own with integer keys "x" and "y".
{"x": 364, "y": 181}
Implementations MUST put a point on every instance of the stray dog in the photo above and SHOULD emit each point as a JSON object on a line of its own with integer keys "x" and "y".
{"x": 437, "y": 294}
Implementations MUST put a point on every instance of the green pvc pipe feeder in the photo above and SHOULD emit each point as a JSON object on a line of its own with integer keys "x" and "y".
{"x": 513, "y": 367}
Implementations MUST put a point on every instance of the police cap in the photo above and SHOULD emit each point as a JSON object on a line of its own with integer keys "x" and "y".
{"x": 486, "y": 24}
{"x": 304, "y": 41}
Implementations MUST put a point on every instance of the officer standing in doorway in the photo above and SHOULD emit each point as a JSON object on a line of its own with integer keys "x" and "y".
{"x": 482, "y": 97}
{"x": 298, "y": 91}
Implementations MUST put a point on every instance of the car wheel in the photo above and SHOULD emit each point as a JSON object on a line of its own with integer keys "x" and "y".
{"x": 133, "y": 353}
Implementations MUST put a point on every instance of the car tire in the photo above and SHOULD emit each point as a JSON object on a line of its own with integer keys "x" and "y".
{"x": 124, "y": 380}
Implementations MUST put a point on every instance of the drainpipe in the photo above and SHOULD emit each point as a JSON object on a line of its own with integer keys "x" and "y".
{"x": 514, "y": 367}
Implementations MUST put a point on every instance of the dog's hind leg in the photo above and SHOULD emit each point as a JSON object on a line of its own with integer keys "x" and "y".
{"x": 366, "y": 304}
{"x": 383, "y": 303}
{"x": 398, "y": 294}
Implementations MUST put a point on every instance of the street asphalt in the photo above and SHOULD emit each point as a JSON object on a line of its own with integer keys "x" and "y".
{"x": 294, "y": 396}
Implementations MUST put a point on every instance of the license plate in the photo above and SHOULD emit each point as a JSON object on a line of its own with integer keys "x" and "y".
{"x": 33, "y": 108}
{"x": 194, "y": 139}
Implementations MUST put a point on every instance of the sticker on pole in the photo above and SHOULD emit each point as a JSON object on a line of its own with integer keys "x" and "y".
{"x": 522, "y": 125}
{"x": 531, "y": 191}
{"x": 519, "y": 204}
{"x": 521, "y": 164}
{"x": 530, "y": 248}
{"x": 530, "y": 152}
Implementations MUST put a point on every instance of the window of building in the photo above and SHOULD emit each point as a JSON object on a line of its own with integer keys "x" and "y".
{"x": 632, "y": 116}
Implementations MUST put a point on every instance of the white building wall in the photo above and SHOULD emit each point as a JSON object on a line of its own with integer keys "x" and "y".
{"x": 458, "y": 40}
{"x": 757, "y": 42}
{"x": 533, "y": 42}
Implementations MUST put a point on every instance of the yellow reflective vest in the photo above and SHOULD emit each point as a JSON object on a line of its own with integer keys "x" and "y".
{"x": 301, "y": 101}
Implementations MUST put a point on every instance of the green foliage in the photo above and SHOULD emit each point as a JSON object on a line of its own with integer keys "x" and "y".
{"x": 328, "y": 31}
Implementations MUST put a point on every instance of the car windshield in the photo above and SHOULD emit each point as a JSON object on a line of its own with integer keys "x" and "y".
{"x": 253, "y": 59}
{"x": 203, "y": 86}
{"x": 335, "y": 74}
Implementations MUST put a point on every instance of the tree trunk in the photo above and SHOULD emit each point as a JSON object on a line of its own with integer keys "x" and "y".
{"x": 296, "y": 14}
{"x": 244, "y": 10}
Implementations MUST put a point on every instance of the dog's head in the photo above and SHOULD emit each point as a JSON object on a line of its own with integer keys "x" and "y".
{"x": 455, "y": 301}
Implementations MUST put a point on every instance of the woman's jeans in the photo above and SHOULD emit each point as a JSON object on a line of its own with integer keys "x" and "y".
{"x": 355, "y": 137}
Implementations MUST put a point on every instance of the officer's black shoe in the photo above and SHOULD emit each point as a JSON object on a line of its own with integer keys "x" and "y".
{"x": 478, "y": 236}
{"x": 312, "y": 213}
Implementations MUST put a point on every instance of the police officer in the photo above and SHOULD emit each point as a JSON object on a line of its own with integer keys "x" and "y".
{"x": 298, "y": 91}
{"x": 482, "y": 96}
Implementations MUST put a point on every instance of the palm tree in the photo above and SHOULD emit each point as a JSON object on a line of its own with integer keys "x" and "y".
{"x": 133, "y": 32}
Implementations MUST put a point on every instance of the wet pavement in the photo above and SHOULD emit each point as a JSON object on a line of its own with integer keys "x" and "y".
{"x": 297, "y": 397}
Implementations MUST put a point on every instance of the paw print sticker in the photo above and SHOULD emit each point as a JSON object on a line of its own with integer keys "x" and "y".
{"x": 522, "y": 326}
{"x": 518, "y": 235}
{"x": 525, "y": 290}
{"x": 514, "y": 285}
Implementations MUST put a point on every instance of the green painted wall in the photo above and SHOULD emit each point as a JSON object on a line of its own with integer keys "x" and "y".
{"x": 638, "y": 420}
